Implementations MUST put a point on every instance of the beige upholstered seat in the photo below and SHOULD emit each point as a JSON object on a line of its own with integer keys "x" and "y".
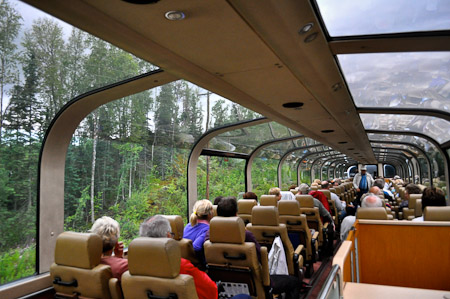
{"x": 305, "y": 200}
{"x": 230, "y": 259}
{"x": 214, "y": 210}
{"x": 186, "y": 247}
{"x": 265, "y": 227}
{"x": 436, "y": 214}
{"x": 77, "y": 267}
{"x": 413, "y": 210}
{"x": 372, "y": 213}
{"x": 154, "y": 267}
{"x": 296, "y": 223}
{"x": 332, "y": 204}
{"x": 268, "y": 200}
{"x": 245, "y": 207}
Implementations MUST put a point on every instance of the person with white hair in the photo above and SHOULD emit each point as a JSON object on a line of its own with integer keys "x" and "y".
{"x": 370, "y": 200}
{"x": 159, "y": 227}
{"x": 108, "y": 229}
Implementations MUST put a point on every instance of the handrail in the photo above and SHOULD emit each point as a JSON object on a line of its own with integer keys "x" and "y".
{"x": 332, "y": 286}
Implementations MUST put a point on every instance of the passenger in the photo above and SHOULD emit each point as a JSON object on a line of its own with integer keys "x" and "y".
{"x": 293, "y": 187}
{"x": 324, "y": 214}
{"x": 336, "y": 182}
{"x": 284, "y": 195}
{"x": 279, "y": 283}
{"x": 108, "y": 229}
{"x": 380, "y": 183}
{"x": 217, "y": 199}
{"x": 369, "y": 201}
{"x": 432, "y": 197}
{"x": 362, "y": 183}
{"x": 409, "y": 189}
{"x": 275, "y": 191}
{"x": 340, "y": 205}
{"x": 159, "y": 227}
{"x": 250, "y": 195}
{"x": 198, "y": 226}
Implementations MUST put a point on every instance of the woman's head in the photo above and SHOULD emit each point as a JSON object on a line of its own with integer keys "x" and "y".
{"x": 108, "y": 229}
{"x": 433, "y": 197}
{"x": 203, "y": 210}
{"x": 250, "y": 195}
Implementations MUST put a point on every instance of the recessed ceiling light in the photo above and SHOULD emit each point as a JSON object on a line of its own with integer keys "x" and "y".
{"x": 350, "y": 149}
{"x": 306, "y": 28}
{"x": 174, "y": 15}
{"x": 293, "y": 105}
{"x": 327, "y": 131}
{"x": 141, "y": 1}
{"x": 311, "y": 37}
{"x": 342, "y": 142}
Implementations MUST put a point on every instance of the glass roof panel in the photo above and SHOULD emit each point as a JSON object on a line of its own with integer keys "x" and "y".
{"x": 397, "y": 146}
{"x": 436, "y": 128}
{"x": 349, "y": 17}
{"x": 401, "y": 80}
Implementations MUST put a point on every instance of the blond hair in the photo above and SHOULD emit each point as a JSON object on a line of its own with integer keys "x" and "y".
{"x": 202, "y": 209}
{"x": 275, "y": 191}
{"x": 108, "y": 229}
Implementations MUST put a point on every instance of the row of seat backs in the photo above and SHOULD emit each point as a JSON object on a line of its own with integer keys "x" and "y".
{"x": 154, "y": 265}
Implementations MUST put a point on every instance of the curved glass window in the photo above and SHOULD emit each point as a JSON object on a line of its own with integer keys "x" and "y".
{"x": 401, "y": 80}
{"x": 45, "y": 64}
{"x": 264, "y": 174}
{"x": 348, "y": 17}
{"x": 436, "y": 128}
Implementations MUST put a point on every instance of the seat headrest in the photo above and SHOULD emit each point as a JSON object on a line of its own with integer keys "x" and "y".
{"x": 415, "y": 196}
{"x": 214, "y": 210}
{"x": 436, "y": 214}
{"x": 372, "y": 213}
{"x": 268, "y": 200}
{"x": 305, "y": 200}
{"x": 265, "y": 216}
{"x": 288, "y": 207}
{"x": 245, "y": 206}
{"x": 80, "y": 250}
{"x": 326, "y": 192}
{"x": 158, "y": 257}
{"x": 227, "y": 230}
{"x": 177, "y": 225}
{"x": 333, "y": 190}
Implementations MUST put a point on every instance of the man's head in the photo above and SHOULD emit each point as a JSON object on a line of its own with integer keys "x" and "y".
{"x": 433, "y": 197}
{"x": 250, "y": 195}
{"x": 379, "y": 183}
{"x": 412, "y": 189}
{"x": 375, "y": 190}
{"x": 304, "y": 188}
{"x": 227, "y": 207}
{"x": 325, "y": 185}
{"x": 275, "y": 191}
{"x": 363, "y": 170}
{"x": 155, "y": 227}
{"x": 336, "y": 182}
{"x": 217, "y": 199}
{"x": 371, "y": 201}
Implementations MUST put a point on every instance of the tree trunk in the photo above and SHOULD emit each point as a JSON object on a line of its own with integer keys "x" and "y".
{"x": 94, "y": 158}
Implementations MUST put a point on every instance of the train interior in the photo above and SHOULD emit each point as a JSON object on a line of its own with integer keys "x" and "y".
{"x": 280, "y": 93}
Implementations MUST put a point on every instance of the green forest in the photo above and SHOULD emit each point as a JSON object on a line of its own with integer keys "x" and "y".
{"x": 127, "y": 159}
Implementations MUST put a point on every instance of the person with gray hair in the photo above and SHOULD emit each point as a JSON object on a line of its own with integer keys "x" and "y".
{"x": 108, "y": 229}
{"x": 159, "y": 227}
{"x": 369, "y": 201}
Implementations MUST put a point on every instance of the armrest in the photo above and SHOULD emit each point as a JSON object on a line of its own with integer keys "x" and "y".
{"x": 298, "y": 258}
{"x": 390, "y": 217}
{"x": 299, "y": 249}
{"x": 115, "y": 289}
{"x": 265, "y": 266}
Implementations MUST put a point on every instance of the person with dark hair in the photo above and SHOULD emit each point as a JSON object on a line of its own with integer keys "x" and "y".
{"x": 217, "y": 199}
{"x": 409, "y": 189}
{"x": 250, "y": 195}
{"x": 290, "y": 285}
{"x": 293, "y": 187}
{"x": 432, "y": 197}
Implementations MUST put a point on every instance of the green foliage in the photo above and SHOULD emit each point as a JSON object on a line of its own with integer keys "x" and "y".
{"x": 17, "y": 263}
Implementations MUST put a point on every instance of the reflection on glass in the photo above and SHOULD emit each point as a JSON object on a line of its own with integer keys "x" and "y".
{"x": 401, "y": 80}
{"x": 436, "y": 128}
{"x": 349, "y": 17}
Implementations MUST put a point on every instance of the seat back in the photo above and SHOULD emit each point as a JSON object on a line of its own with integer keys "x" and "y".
{"x": 296, "y": 223}
{"x": 305, "y": 200}
{"x": 436, "y": 214}
{"x": 372, "y": 213}
{"x": 412, "y": 200}
{"x": 153, "y": 270}
{"x": 265, "y": 227}
{"x": 77, "y": 267}
{"x": 214, "y": 210}
{"x": 245, "y": 207}
{"x": 268, "y": 200}
{"x": 186, "y": 247}
{"x": 326, "y": 192}
{"x": 230, "y": 259}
